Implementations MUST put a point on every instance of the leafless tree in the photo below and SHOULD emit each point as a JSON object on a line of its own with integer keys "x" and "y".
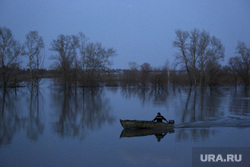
{"x": 159, "y": 78}
{"x": 133, "y": 66}
{"x": 193, "y": 51}
{"x": 65, "y": 46}
{"x": 240, "y": 64}
{"x": 198, "y": 51}
{"x": 145, "y": 74}
{"x": 93, "y": 58}
{"x": 97, "y": 59}
{"x": 10, "y": 50}
{"x": 181, "y": 42}
{"x": 130, "y": 77}
{"x": 213, "y": 72}
{"x": 82, "y": 48}
{"x": 146, "y": 67}
{"x": 34, "y": 46}
{"x": 209, "y": 59}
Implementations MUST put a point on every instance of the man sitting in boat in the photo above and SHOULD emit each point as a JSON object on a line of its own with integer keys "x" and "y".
{"x": 159, "y": 118}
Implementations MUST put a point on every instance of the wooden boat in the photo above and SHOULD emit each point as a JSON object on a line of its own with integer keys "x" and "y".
{"x": 145, "y": 124}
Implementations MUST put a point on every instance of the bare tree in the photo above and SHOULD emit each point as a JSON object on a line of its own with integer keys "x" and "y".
{"x": 181, "y": 42}
{"x": 34, "y": 45}
{"x": 146, "y": 67}
{"x": 241, "y": 64}
{"x": 145, "y": 74}
{"x": 203, "y": 44}
{"x": 65, "y": 46}
{"x": 97, "y": 59}
{"x": 198, "y": 51}
{"x": 213, "y": 72}
{"x": 159, "y": 78}
{"x": 93, "y": 58}
{"x": 10, "y": 50}
{"x": 82, "y": 50}
{"x": 193, "y": 51}
{"x": 133, "y": 66}
{"x": 130, "y": 77}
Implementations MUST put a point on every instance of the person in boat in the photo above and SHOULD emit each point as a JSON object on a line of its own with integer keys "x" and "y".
{"x": 159, "y": 118}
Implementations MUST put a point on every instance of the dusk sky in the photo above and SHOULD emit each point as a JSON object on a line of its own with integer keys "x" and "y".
{"x": 139, "y": 30}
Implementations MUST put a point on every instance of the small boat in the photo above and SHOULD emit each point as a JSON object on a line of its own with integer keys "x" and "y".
{"x": 146, "y": 124}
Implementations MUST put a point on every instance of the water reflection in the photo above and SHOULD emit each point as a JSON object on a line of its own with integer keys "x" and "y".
{"x": 197, "y": 108}
{"x": 35, "y": 121}
{"x": 193, "y": 104}
{"x": 75, "y": 112}
{"x": 79, "y": 110}
{"x": 146, "y": 94}
{"x": 49, "y": 114}
{"x": 240, "y": 103}
{"x": 10, "y": 121}
{"x": 158, "y": 133}
{"x": 21, "y": 109}
{"x": 201, "y": 104}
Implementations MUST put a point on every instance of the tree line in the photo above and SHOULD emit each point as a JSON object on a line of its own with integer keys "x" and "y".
{"x": 80, "y": 61}
{"x": 77, "y": 61}
{"x": 200, "y": 55}
{"x": 11, "y": 52}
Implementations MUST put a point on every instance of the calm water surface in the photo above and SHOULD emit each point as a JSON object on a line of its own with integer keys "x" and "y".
{"x": 51, "y": 126}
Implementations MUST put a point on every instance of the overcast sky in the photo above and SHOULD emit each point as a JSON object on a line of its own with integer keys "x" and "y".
{"x": 139, "y": 30}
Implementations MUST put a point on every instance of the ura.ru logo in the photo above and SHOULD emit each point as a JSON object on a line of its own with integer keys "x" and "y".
{"x": 220, "y": 158}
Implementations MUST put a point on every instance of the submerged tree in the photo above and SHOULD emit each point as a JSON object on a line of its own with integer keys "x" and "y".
{"x": 10, "y": 50}
{"x": 182, "y": 58}
{"x": 92, "y": 60}
{"x": 34, "y": 45}
{"x": 65, "y": 46}
{"x": 198, "y": 51}
{"x": 159, "y": 78}
{"x": 97, "y": 59}
{"x": 130, "y": 77}
{"x": 82, "y": 48}
{"x": 82, "y": 61}
{"x": 241, "y": 64}
{"x": 145, "y": 74}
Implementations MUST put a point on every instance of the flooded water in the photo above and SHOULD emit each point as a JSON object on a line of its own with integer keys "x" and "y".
{"x": 51, "y": 126}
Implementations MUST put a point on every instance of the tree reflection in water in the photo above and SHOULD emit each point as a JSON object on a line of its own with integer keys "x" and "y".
{"x": 240, "y": 103}
{"x": 16, "y": 116}
{"x": 79, "y": 110}
{"x": 35, "y": 121}
{"x": 195, "y": 104}
{"x": 156, "y": 95}
{"x": 10, "y": 121}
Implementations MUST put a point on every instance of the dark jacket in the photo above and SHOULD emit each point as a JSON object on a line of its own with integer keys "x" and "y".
{"x": 159, "y": 118}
